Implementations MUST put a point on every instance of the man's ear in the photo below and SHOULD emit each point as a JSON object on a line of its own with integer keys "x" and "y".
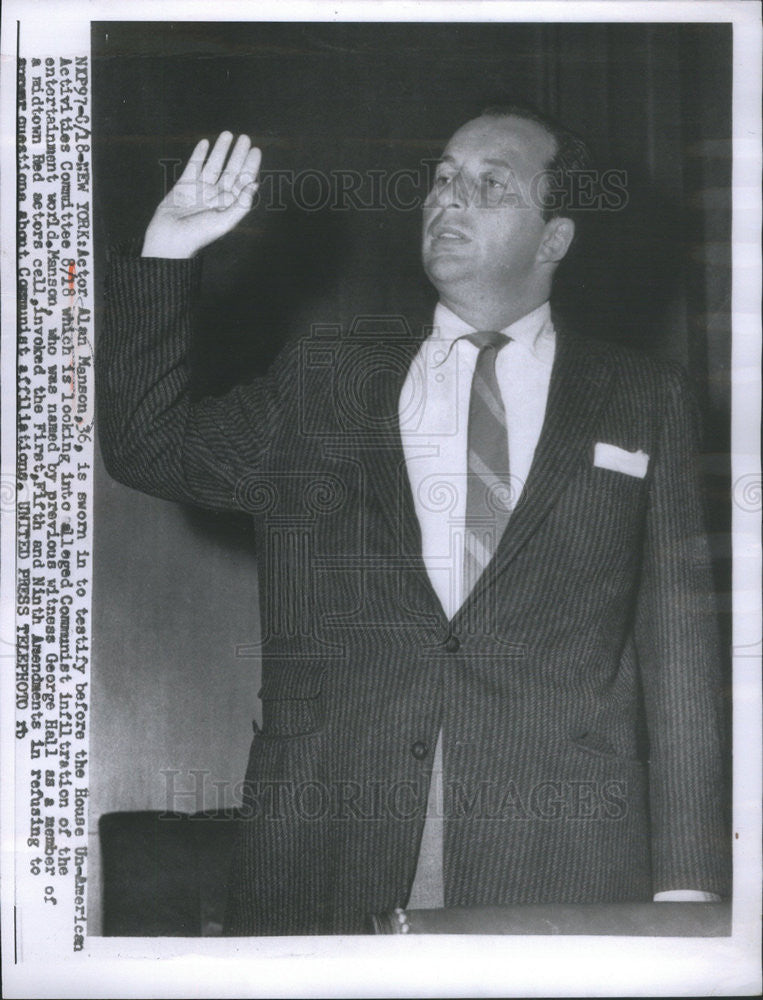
{"x": 557, "y": 237}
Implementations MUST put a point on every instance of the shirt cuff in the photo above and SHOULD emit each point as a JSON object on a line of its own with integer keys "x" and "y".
{"x": 686, "y": 896}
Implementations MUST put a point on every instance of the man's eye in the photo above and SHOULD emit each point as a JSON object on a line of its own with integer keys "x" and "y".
{"x": 441, "y": 180}
{"x": 493, "y": 182}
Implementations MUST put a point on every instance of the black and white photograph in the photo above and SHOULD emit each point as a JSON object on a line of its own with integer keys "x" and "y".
{"x": 388, "y": 479}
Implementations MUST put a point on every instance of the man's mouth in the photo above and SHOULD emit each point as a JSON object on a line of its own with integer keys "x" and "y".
{"x": 448, "y": 234}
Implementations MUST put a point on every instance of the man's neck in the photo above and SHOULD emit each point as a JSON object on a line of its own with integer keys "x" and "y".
{"x": 487, "y": 315}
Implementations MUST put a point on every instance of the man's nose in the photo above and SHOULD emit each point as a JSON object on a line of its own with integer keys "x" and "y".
{"x": 455, "y": 192}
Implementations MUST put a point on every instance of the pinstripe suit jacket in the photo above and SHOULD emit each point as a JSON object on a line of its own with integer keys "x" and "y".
{"x": 594, "y": 617}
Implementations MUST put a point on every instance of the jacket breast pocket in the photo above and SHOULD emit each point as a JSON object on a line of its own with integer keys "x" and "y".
{"x": 293, "y": 701}
{"x": 615, "y": 482}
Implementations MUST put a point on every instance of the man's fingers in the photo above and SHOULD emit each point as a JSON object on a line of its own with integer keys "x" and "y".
{"x": 252, "y": 162}
{"x": 242, "y": 190}
{"x": 240, "y": 196}
{"x": 235, "y": 162}
{"x": 240, "y": 205}
{"x": 241, "y": 168}
{"x": 247, "y": 174}
{"x": 245, "y": 196}
{"x": 195, "y": 161}
{"x": 214, "y": 164}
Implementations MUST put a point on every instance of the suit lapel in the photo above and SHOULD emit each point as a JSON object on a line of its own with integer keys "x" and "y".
{"x": 580, "y": 382}
{"x": 387, "y": 478}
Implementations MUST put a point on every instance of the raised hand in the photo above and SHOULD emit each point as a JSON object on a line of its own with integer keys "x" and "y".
{"x": 210, "y": 198}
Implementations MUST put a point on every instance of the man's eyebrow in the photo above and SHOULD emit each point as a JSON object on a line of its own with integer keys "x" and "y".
{"x": 490, "y": 161}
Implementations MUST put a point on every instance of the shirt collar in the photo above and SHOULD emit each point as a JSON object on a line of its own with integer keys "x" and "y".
{"x": 534, "y": 331}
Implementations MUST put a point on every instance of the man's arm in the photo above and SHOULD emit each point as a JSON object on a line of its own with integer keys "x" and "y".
{"x": 680, "y": 667}
{"x": 153, "y": 436}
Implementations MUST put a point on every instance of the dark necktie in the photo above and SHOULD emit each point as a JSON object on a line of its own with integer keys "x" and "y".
{"x": 488, "y": 491}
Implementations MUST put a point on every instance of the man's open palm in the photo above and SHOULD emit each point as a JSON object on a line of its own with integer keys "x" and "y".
{"x": 210, "y": 198}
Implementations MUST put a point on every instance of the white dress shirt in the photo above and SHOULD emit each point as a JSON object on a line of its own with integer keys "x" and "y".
{"x": 433, "y": 413}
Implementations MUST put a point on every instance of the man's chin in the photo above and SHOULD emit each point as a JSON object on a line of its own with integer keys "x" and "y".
{"x": 446, "y": 268}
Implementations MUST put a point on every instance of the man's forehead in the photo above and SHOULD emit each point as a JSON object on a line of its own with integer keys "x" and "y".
{"x": 501, "y": 139}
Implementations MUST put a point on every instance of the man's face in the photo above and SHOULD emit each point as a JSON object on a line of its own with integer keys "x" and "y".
{"x": 482, "y": 222}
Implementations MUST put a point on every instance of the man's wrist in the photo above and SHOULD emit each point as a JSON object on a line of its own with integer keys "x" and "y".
{"x": 165, "y": 252}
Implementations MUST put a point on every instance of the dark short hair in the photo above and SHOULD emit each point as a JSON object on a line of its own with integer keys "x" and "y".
{"x": 572, "y": 154}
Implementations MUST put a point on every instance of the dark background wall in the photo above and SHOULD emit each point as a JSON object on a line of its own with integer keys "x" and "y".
{"x": 175, "y": 590}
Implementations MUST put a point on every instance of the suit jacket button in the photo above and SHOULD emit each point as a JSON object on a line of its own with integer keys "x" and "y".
{"x": 452, "y": 644}
{"x": 419, "y": 750}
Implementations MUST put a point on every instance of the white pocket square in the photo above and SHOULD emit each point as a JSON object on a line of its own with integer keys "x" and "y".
{"x": 609, "y": 456}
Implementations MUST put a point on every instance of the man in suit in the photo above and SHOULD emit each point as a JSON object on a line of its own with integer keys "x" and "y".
{"x": 483, "y": 565}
